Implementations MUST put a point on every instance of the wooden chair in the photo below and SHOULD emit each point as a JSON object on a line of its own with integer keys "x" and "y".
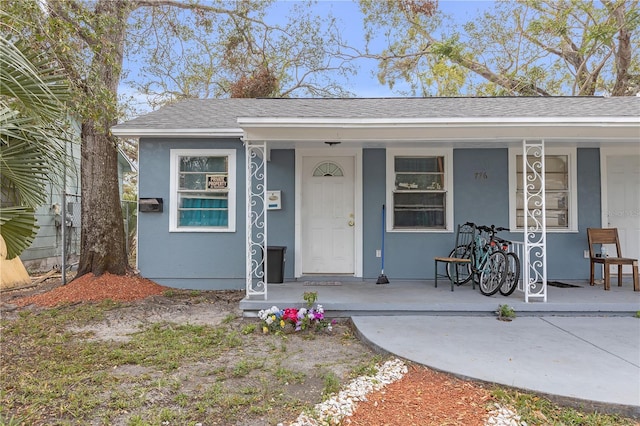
{"x": 598, "y": 237}
{"x": 459, "y": 257}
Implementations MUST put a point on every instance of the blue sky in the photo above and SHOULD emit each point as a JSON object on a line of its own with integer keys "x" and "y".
{"x": 365, "y": 84}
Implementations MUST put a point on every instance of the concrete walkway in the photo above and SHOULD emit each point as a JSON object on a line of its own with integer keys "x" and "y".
{"x": 589, "y": 362}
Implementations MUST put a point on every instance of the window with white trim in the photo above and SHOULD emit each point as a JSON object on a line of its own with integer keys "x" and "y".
{"x": 203, "y": 188}
{"x": 420, "y": 183}
{"x": 559, "y": 180}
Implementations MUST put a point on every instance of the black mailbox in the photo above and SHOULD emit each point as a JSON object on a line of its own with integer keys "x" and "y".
{"x": 150, "y": 205}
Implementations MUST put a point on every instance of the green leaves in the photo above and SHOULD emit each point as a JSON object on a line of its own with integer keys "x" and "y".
{"x": 19, "y": 228}
{"x": 33, "y": 131}
{"x": 514, "y": 48}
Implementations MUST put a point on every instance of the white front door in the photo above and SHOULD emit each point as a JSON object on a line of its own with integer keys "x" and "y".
{"x": 622, "y": 208}
{"x": 328, "y": 215}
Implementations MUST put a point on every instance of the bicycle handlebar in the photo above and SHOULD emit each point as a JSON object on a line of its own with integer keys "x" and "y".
{"x": 502, "y": 240}
{"x": 490, "y": 229}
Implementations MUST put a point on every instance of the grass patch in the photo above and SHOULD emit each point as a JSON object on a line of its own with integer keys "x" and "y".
{"x": 249, "y": 329}
{"x": 187, "y": 373}
{"x": 286, "y": 376}
{"x": 179, "y": 343}
{"x": 535, "y": 410}
{"x": 367, "y": 368}
{"x": 245, "y": 366}
{"x": 331, "y": 383}
{"x": 164, "y": 372}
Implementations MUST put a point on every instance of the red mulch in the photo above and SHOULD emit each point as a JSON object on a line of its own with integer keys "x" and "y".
{"x": 424, "y": 397}
{"x": 88, "y": 287}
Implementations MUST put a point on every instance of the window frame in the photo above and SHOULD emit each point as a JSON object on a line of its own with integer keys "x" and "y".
{"x": 447, "y": 153}
{"x": 572, "y": 196}
{"x": 174, "y": 170}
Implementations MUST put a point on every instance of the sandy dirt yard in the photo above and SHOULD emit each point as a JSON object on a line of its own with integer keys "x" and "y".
{"x": 421, "y": 397}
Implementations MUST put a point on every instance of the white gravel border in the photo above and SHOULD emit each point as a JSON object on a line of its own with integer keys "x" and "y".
{"x": 502, "y": 416}
{"x": 332, "y": 411}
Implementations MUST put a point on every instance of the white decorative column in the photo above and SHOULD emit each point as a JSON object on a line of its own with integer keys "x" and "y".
{"x": 535, "y": 223}
{"x": 256, "y": 223}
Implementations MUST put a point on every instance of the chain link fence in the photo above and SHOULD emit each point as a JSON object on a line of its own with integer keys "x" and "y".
{"x": 72, "y": 228}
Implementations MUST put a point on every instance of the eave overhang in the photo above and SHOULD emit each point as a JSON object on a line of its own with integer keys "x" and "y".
{"x": 136, "y": 133}
{"x": 451, "y": 129}
{"x": 311, "y": 129}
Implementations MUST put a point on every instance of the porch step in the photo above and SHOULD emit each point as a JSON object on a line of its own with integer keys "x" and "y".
{"x": 521, "y": 311}
{"x": 422, "y": 298}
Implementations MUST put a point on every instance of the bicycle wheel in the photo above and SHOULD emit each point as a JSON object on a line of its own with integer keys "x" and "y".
{"x": 493, "y": 273}
{"x": 513, "y": 275}
{"x": 463, "y": 269}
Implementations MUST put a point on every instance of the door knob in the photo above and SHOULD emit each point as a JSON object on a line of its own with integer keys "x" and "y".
{"x": 351, "y": 223}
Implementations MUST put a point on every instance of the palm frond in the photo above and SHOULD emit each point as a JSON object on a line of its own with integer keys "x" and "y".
{"x": 30, "y": 82}
{"x": 18, "y": 229}
{"x": 34, "y": 131}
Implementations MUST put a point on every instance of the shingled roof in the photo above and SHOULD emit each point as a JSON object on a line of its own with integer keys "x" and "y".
{"x": 224, "y": 113}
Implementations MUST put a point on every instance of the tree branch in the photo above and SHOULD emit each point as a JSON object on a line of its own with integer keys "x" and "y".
{"x": 623, "y": 56}
{"x": 195, "y": 6}
{"x": 57, "y": 10}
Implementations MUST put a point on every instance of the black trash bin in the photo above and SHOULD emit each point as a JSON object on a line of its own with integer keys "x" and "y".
{"x": 275, "y": 264}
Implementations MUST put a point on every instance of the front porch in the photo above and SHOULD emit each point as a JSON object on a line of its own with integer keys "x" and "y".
{"x": 344, "y": 298}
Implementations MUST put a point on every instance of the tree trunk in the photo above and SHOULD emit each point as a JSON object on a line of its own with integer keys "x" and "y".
{"x": 102, "y": 237}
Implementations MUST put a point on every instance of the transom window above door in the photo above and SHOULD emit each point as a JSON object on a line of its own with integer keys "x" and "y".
{"x": 419, "y": 194}
{"x": 328, "y": 169}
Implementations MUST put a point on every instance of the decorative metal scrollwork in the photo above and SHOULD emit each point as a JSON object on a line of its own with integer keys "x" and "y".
{"x": 535, "y": 225}
{"x": 256, "y": 222}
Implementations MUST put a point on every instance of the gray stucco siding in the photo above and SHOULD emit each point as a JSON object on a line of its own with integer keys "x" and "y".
{"x": 281, "y": 223}
{"x": 212, "y": 260}
{"x": 195, "y": 260}
{"x": 373, "y": 197}
{"x": 481, "y": 195}
{"x": 565, "y": 251}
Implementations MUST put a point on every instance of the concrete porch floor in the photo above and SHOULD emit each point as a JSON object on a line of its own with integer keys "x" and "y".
{"x": 356, "y": 298}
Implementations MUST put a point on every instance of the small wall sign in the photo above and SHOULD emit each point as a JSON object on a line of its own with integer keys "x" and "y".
{"x": 274, "y": 200}
{"x": 216, "y": 182}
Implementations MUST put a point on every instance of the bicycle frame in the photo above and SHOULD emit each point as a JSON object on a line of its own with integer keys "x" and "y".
{"x": 481, "y": 250}
{"x": 489, "y": 263}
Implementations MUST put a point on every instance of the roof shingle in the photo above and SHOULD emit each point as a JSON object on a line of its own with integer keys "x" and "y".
{"x": 223, "y": 113}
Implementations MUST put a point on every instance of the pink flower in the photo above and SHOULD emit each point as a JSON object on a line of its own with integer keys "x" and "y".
{"x": 290, "y": 314}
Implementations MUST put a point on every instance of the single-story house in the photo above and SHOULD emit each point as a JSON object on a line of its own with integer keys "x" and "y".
{"x": 221, "y": 181}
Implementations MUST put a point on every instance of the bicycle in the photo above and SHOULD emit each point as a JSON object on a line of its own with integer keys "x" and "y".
{"x": 513, "y": 271}
{"x": 488, "y": 266}
{"x": 489, "y": 262}
{"x": 462, "y": 273}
